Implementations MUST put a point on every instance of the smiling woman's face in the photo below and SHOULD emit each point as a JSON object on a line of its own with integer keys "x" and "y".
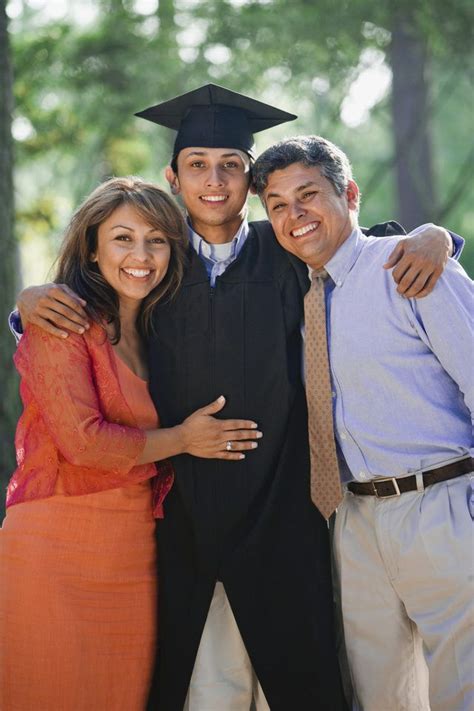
{"x": 133, "y": 256}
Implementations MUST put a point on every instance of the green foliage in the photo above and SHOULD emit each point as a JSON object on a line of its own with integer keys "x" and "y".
{"x": 79, "y": 86}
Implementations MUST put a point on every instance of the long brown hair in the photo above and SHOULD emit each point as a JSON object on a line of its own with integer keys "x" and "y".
{"x": 74, "y": 265}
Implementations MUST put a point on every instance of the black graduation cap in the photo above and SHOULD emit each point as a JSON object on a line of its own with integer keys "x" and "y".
{"x": 214, "y": 117}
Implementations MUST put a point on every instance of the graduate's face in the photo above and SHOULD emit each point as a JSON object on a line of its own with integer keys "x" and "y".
{"x": 213, "y": 183}
{"x": 309, "y": 218}
{"x": 132, "y": 256}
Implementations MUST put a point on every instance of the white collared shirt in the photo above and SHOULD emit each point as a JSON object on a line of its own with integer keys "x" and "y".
{"x": 217, "y": 257}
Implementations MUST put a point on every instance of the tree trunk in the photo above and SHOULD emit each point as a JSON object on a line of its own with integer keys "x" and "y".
{"x": 8, "y": 263}
{"x": 411, "y": 123}
{"x": 168, "y": 54}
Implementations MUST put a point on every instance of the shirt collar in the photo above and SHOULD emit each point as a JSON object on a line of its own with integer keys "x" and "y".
{"x": 203, "y": 248}
{"x": 346, "y": 256}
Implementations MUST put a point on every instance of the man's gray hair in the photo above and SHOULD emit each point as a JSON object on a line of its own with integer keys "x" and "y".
{"x": 308, "y": 150}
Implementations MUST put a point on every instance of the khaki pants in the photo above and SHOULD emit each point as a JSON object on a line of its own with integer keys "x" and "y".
{"x": 405, "y": 567}
{"x": 223, "y": 678}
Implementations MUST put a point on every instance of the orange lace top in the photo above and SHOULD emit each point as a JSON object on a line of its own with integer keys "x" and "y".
{"x": 76, "y": 424}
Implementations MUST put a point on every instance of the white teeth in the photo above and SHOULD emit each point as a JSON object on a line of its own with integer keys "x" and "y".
{"x": 303, "y": 230}
{"x": 137, "y": 272}
{"x": 214, "y": 198}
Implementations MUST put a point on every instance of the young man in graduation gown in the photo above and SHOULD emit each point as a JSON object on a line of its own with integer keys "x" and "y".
{"x": 245, "y": 587}
{"x": 242, "y": 552}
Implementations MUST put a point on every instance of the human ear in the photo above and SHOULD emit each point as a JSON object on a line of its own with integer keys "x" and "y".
{"x": 352, "y": 194}
{"x": 172, "y": 179}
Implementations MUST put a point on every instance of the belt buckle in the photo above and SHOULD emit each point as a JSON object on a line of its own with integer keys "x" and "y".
{"x": 386, "y": 496}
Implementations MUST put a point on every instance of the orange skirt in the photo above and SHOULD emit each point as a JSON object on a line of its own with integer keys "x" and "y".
{"x": 78, "y": 602}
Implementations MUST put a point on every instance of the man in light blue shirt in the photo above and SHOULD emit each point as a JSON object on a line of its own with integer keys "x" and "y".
{"x": 403, "y": 397}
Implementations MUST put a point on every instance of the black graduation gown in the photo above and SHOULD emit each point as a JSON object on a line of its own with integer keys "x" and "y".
{"x": 250, "y": 524}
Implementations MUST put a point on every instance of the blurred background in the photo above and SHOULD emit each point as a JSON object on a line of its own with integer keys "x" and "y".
{"x": 390, "y": 82}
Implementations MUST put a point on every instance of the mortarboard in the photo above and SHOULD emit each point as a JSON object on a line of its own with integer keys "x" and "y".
{"x": 214, "y": 117}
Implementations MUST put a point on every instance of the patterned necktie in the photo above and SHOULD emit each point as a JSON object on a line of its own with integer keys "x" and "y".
{"x": 326, "y": 490}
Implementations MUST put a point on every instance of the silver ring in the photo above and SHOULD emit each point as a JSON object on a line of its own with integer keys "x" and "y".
{"x": 228, "y": 446}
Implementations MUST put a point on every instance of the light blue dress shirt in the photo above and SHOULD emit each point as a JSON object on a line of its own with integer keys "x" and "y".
{"x": 217, "y": 257}
{"x": 402, "y": 369}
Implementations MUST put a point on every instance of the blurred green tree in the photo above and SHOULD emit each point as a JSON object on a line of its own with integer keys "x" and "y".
{"x": 9, "y": 266}
{"x": 317, "y": 56}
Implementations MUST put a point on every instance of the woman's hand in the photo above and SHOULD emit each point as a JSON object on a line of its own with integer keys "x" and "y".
{"x": 205, "y": 436}
{"x": 201, "y": 435}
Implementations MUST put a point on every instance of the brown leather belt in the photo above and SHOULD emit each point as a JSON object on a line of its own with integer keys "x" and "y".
{"x": 393, "y": 486}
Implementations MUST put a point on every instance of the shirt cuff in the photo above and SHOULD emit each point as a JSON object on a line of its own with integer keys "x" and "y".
{"x": 458, "y": 245}
{"x": 14, "y": 321}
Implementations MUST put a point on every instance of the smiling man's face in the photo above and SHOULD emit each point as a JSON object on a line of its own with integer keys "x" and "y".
{"x": 309, "y": 218}
{"x": 213, "y": 183}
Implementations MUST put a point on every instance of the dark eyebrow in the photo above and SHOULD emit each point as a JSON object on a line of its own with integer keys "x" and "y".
{"x": 306, "y": 185}
{"x": 130, "y": 229}
{"x": 205, "y": 153}
{"x": 297, "y": 190}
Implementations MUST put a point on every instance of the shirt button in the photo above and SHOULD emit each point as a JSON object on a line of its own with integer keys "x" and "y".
{"x": 333, "y": 394}
{"x": 363, "y": 475}
{"x": 343, "y": 435}
{"x": 339, "y": 283}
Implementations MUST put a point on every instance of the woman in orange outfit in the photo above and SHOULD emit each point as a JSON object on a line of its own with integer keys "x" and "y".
{"x": 77, "y": 548}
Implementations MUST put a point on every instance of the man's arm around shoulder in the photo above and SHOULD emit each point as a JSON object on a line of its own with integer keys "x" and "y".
{"x": 53, "y": 307}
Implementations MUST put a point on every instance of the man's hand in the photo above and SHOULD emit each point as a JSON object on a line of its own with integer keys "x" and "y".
{"x": 419, "y": 260}
{"x": 53, "y": 307}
